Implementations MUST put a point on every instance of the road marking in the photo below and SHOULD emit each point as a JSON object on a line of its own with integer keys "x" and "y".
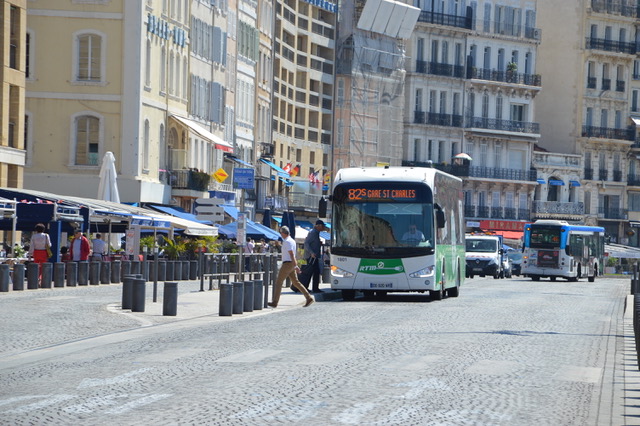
{"x": 92, "y": 404}
{"x": 255, "y": 355}
{"x": 145, "y": 400}
{"x": 418, "y": 387}
{"x": 20, "y": 398}
{"x": 354, "y": 415}
{"x": 493, "y": 367}
{"x": 412, "y": 362}
{"x": 328, "y": 357}
{"x": 124, "y": 378}
{"x": 42, "y": 404}
{"x": 574, "y": 373}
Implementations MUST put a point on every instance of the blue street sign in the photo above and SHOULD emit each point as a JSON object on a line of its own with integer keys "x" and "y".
{"x": 243, "y": 178}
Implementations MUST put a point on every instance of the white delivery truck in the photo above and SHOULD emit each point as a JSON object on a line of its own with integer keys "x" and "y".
{"x": 484, "y": 255}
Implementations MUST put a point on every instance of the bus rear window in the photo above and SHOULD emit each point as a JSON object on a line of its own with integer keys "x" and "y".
{"x": 545, "y": 237}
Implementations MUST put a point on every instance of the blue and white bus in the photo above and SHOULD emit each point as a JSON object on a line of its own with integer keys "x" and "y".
{"x": 554, "y": 248}
{"x": 397, "y": 229}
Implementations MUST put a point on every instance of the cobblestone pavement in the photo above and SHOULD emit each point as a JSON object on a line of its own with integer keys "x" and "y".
{"x": 506, "y": 352}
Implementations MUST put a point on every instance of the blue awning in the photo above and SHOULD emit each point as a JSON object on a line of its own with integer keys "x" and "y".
{"x": 231, "y": 211}
{"x": 325, "y": 235}
{"x": 574, "y": 183}
{"x": 178, "y": 212}
{"x": 281, "y": 172}
{"x": 541, "y": 181}
{"x": 556, "y": 182}
{"x": 237, "y": 160}
{"x": 304, "y": 224}
{"x": 254, "y": 230}
{"x": 277, "y": 218}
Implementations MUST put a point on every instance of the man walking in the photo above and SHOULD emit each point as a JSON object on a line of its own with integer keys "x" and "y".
{"x": 313, "y": 254}
{"x": 289, "y": 269}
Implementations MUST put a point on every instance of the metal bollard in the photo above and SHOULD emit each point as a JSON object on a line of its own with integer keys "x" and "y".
{"x": 94, "y": 273}
{"x": 72, "y": 274}
{"x": 115, "y": 271}
{"x": 193, "y": 270}
{"x": 135, "y": 267}
{"x": 248, "y": 296}
{"x": 145, "y": 270}
{"x": 4, "y": 278}
{"x": 170, "y": 299}
{"x": 127, "y": 291}
{"x": 185, "y": 270}
{"x": 162, "y": 270}
{"x": 177, "y": 270}
{"x": 105, "y": 273}
{"x": 83, "y": 273}
{"x": 226, "y": 300}
{"x": 257, "y": 295}
{"x": 58, "y": 274}
{"x": 18, "y": 277}
{"x": 47, "y": 274}
{"x": 238, "y": 297}
{"x": 125, "y": 269}
{"x": 169, "y": 271}
{"x": 139, "y": 295}
{"x": 33, "y": 270}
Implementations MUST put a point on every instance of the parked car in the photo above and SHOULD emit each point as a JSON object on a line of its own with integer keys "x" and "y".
{"x": 516, "y": 262}
{"x": 507, "y": 270}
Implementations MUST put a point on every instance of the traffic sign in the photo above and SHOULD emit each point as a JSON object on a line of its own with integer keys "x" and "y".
{"x": 213, "y": 217}
{"x": 220, "y": 175}
{"x": 210, "y": 209}
{"x": 209, "y": 201}
{"x": 243, "y": 178}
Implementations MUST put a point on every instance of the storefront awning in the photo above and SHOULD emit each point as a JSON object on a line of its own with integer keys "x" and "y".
{"x": 235, "y": 159}
{"x": 510, "y": 235}
{"x": 635, "y": 120}
{"x": 204, "y": 133}
{"x": 178, "y": 213}
{"x": 541, "y": 181}
{"x": 231, "y": 211}
{"x": 556, "y": 182}
{"x": 574, "y": 183}
{"x": 281, "y": 172}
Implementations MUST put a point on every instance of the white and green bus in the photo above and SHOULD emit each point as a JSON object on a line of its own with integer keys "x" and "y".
{"x": 397, "y": 229}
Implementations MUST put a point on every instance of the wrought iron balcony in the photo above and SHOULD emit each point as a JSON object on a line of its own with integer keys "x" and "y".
{"x": 557, "y": 208}
{"x": 478, "y": 171}
{"x": 627, "y": 134}
{"x": 277, "y": 203}
{"x": 444, "y": 19}
{"x": 612, "y": 213}
{"x": 611, "y": 45}
{"x": 434, "y": 68}
{"x": 449, "y": 120}
{"x": 606, "y": 84}
{"x": 617, "y": 176}
{"x": 485, "y": 212}
{"x": 603, "y": 174}
{"x": 505, "y": 125}
{"x": 601, "y": 6}
{"x": 592, "y": 82}
{"x": 504, "y": 76}
{"x": 588, "y": 174}
{"x": 189, "y": 179}
{"x": 633, "y": 180}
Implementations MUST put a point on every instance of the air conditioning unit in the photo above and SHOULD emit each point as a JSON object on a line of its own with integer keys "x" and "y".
{"x": 267, "y": 150}
{"x": 537, "y": 33}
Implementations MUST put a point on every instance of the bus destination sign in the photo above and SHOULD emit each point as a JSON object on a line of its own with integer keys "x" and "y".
{"x": 368, "y": 194}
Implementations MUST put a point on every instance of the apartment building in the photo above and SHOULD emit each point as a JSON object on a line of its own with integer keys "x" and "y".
{"x": 590, "y": 48}
{"x": 121, "y": 81}
{"x": 303, "y": 90}
{"x": 12, "y": 113}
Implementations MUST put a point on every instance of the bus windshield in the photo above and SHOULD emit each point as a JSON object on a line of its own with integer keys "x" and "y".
{"x": 545, "y": 237}
{"x": 383, "y": 224}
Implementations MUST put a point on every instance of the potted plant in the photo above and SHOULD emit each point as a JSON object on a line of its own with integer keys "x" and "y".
{"x": 173, "y": 248}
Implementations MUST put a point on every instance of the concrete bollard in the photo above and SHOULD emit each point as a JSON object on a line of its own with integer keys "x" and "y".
{"x": 72, "y": 273}
{"x": 33, "y": 270}
{"x": 47, "y": 274}
{"x": 193, "y": 270}
{"x": 115, "y": 271}
{"x": 4, "y": 278}
{"x": 185, "y": 270}
{"x": 83, "y": 273}
{"x": 238, "y": 297}
{"x": 94, "y": 273}
{"x": 177, "y": 270}
{"x": 248, "y": 296}
{"x": 135, "y": 267}
{"x": 18, "y": 277}
{"x": 162, "y": 270}
{"x": 127, "y": 291}
{"x": 125, "y": 269}
{"x": 58, "y": 274}
{"x": 258, "y": 292}
{"x": 170, "y": 299}
{"x": 145, "y": 270}
{"x": 139, "y": 295}
{"x": 169, "y": 270}
{"x": 105, "y": 273}
{"x": 226, "y": 300}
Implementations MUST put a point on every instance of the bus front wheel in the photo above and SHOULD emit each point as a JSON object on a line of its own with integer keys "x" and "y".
{"x": 348, "y": 295}
{"x": 593, "y": 277}
{"x": 535, "y": 278}
{"x": 436, "y": 294}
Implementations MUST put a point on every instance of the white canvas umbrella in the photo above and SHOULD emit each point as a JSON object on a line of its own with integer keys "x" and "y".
{"x": 108, "y": 188}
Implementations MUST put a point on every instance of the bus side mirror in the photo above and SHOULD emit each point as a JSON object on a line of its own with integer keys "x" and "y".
{"x": 322, "y": 207}
{"x": 440, "y": 221}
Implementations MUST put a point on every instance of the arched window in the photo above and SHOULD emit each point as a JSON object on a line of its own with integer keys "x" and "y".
{"x": 87, "y": 140}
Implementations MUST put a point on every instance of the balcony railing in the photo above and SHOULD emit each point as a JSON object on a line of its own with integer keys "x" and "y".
{"x": 557, "y": 207}
{"x": 603, "y": 174}
{"x": 633, "y": 180}
{"x": 588, "y": 174}
{"x": 611, "y": 45}
{"x": 189, "y": 179}
{"x": 505, "y": 125}
{"x": 617, "y": 176}
{"x": 592, "y": 82}
{"x": 612, "y": 213}
{"x": 480, "y": 172}
{"x": 504, "y": 76}
{"x": 627, "y": 134}
{"x": 449, "y": 120}
{"x": 616, "y": 8}
{"x": 434, "y": 68}
{"x": 444, "y": 19}
{"x": 606, "y": 84}
{"x": 485, "y": 212}
{"x": 304, "y": 201}
{"x": 277, "y": 203}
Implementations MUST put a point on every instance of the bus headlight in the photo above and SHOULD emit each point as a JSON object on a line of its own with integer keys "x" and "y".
{"x": 339, "y": 272}
{"x": 422, "y": 273}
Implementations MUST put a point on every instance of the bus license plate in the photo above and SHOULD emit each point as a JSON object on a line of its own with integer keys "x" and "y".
{"x": 381, "y": 285}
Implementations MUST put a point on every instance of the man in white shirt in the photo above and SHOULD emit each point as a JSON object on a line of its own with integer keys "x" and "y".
{"x": 289, "y": 269}
{"x": 99, "y": 248}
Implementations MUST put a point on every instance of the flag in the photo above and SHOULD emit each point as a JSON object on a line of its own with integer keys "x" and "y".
{"x": 296, "y": 170}
{"x": 287, "y": 168}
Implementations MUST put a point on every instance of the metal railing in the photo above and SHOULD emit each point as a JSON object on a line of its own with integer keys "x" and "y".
{"x": 504, "y": 76}
{"x": 504, "y": 125}
{"x": 557, "y": 207}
